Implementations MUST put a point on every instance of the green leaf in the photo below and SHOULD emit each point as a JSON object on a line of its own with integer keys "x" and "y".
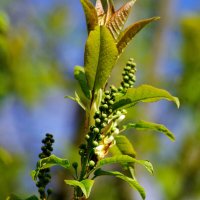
{"x": 14, "y": 197}
{"x": 123, "y": 159}
{"x": 144, "y": 93}
{"x": 85, "y": 185}
{"x": 78, "y": 100}
{"x": 128, "y": 34}
{"x": 49, "y": 162}
{"x": 123, "y": 146}
{"x": 132, "y": 182}
{"x": 90, "y": 14}
{"x": 100, "y": 56}
{"x": 79, "y": 74}
{"x": 118, "y": 19}
{"x": 143, "y": 125}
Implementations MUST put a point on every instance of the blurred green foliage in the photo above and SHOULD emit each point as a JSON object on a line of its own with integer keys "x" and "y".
{"x": 10, "y": 166}
{"x": 24, "y": 72}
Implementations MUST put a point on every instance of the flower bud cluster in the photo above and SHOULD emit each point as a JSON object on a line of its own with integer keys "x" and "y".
{"x": 101, "y": 119}
{"x": 44, "y": 176}
{"x": 128, "y": 76}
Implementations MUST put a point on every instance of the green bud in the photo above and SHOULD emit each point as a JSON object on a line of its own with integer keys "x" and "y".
{"x": 107, "y": 97}
{"x": 75, "y": 165}
{"x": 126, "y": 85}
{"x": 104, "y": 115}
{"x": 106, "y": 119}
{"x": 87, "y": 137}
{"x": 97, "y": 120}
{"x": 126, "y": 78}
{"x": 96, "y": 130}
{"x": 95, "y": 143}
{"x": 91, "y": 163}
{"x": 131, "y": 83}
{"x": 120, "y": 89}
{"x": 111, "y": 102}
{"x": 107, "y": 92}
{"x": 105, "y": 106}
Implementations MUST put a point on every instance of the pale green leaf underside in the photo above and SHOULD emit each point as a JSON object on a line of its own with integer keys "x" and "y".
{"x": 143, "y": 125}
{"x": 79, "y": 74}
{"x": 84, "y": 185}
{"x": 49, "y": 162}
{"x": 90, "y": 14}
{"x": 100, "y": 56}
{"x": 123, "y": 159}
{"x": 132, "y": 182}
{"x": 128, "y": 34}
{"x": 143, "y": 93}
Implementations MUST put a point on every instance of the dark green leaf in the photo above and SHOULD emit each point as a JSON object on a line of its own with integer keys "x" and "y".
{"x": 100, "y": 57}
{"x": 128, "y": 34}
{"x": 90, "y": 14}
{"x": 144, "y": 93}
{"x": 49, "y": 162}
{"x": 132, "y": 182}
{"x": 118, "y": 19}
{"x": 143, "y": 125}
{"x": 79, "y": 74}
{"x": 85, "y": 185}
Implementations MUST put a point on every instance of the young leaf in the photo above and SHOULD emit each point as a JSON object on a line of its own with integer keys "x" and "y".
{"x": 90, "y": 14}
{"x": 77, "y": 100}
{"x": 49, "y": 162}
{"x": 100, "y": 56}
{"x": 128, "y": 34}
{"x": 123, "y": 159}
{"x": 143, "y": 125}
{"x": 123, "y": 146}
{"x": 144, "y": 93}
{"x": 99, "y": 8}
{"x": 85, "y": 185}
{"x": 79, "y": 74}
{"x": 118, "y": 19}
{"x": 132, "y": 182}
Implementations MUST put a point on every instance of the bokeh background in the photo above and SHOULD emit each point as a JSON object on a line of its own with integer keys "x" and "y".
{"x": 42, "y": 41}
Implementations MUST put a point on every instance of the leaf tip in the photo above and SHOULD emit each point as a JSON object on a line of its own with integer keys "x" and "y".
{"x": 177, "y": 102}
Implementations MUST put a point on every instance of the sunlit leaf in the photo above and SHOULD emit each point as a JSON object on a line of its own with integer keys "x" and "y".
{"x": 84, "y": 185}
{"x": 79, "y": 74}
{"x": 90, "y": 14}
{"x": 144, "y": 93}
{"x": 49, "y": 162}
{"x": 143, "y": 125}
{"x": 100, "y": 57}
{"x": 118, "y": 19}
{"x": 132, "y": 182}
{"x": 128, "y": 34}
{"x": 123, "y": 159}
{"x": 123, "y": 146}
